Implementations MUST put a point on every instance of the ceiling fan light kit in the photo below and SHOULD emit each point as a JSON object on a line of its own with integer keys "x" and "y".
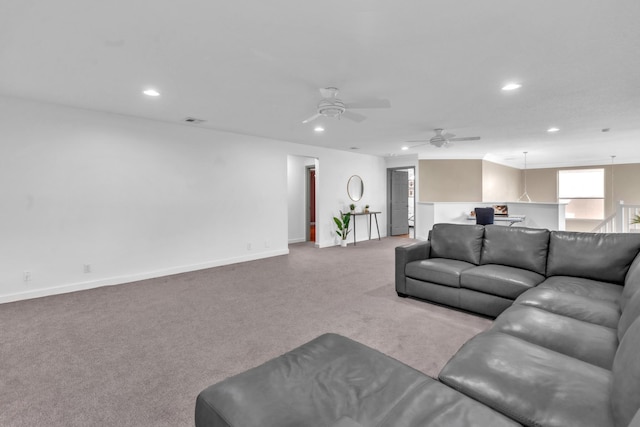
{"x": 330, "y": 108}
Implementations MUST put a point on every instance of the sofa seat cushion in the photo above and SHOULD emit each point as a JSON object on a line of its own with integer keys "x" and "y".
{"x": 532, "y": 384}
{"x": 579, "y": 307}
{"x": 442, "y": 271}
{"x": 516, "y": 247}
{"x": 334, "y": 381}
{"x": 588, "y": 342}
{"x": 507, "y": 282}
{"x": 585, "y": 287}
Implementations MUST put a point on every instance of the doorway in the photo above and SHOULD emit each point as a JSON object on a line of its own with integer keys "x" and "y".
{"x": 311, "y": 204}
{"x": 303, "y": 183}
{"x": 401, "y": 201}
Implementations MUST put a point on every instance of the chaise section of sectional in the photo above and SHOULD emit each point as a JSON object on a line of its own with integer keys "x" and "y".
{"x": 336, "y": 382}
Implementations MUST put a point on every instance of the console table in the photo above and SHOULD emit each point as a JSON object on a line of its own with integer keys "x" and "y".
{"x": 370, "y": 213}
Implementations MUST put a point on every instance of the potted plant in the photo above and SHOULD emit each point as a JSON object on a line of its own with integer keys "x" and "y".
{"x": 342, "y": 225}
{"x": 635, "y": 219}
{"x": 366, "y": 208}
{"x": 352, "y": 208}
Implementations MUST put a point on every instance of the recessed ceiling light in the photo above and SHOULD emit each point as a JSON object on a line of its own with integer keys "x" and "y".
{"x": 511, "y": 86}
{"x": 405, "y": 148}
{"x": 553, "y": 129}
{"x": 318, "y": 129}
{"x": 151, "y": 92}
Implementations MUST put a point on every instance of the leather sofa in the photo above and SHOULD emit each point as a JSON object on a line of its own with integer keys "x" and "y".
{"x": 483, "y": 269}
{"x": 562, "y": 352}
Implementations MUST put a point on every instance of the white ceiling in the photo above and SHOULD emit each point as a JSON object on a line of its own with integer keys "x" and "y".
{"x": 254, "y": 67}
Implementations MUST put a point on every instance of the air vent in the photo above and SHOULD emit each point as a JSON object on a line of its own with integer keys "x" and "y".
{"x": 193, "y": 120}
{"x": 354, "y": 148}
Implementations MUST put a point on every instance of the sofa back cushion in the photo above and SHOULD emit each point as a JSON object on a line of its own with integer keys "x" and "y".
{"x": 597, "y": 256}
{"x": 462, "y": 242}
{"x": 625, "y": 389}
{"x": 516, "y": 247}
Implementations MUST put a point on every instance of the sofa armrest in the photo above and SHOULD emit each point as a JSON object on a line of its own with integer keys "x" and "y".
{"x": 406, "y": 254}
{"x": 631, "y": 282}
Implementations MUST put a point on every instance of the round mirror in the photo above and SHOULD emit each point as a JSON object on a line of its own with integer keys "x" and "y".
{"x": 355, "y": 188}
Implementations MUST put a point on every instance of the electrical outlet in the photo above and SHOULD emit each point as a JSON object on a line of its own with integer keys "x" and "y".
{"x": 249, "y": 246}
{"x": 266, "y": 243}
{"x": 87, "y": 268}
{"x": 26, "y": 276}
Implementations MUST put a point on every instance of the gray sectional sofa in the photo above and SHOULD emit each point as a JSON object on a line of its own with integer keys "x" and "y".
{"x": 483, "y": 269}
{"x": 564, "y": 349}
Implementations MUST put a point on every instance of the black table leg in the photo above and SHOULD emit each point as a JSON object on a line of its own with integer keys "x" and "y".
{"x": 353, "y": 217}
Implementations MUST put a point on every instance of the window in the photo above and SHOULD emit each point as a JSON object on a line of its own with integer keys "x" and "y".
{"x": 583, "y": 191}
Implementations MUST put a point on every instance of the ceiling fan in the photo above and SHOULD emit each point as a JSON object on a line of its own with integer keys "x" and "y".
{"x": 332, "y": 106}
{"x": 442, "y": 139}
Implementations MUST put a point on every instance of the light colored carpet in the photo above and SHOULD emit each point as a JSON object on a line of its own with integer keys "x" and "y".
{"x": 138, "y": 354}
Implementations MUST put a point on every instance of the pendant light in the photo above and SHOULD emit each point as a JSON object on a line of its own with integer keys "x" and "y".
{"x": 613, "y": 203}
{"x": 525, "y": 195}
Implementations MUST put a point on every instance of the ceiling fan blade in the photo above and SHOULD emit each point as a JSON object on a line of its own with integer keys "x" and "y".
{"x": 312, "y": 118}
{"x": 418, "y": 140}
{"x": 353, "y": 116}
{"x": 418, "y": 145}
{"x": 469, "y": 138}
{"x": 448, "y": 135}
{"x": 370, "y": 103}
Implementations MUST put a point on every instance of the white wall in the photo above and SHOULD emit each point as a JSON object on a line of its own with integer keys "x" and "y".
{"x": 333, "y": 172}
{"x": 137, "y": 198}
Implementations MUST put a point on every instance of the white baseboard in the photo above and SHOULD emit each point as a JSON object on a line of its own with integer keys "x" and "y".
{"x": 297, "y": 240}
{"x": 119, "y": 280}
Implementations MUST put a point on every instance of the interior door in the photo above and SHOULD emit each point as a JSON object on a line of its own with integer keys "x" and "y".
{"x": 399, "y": 218}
